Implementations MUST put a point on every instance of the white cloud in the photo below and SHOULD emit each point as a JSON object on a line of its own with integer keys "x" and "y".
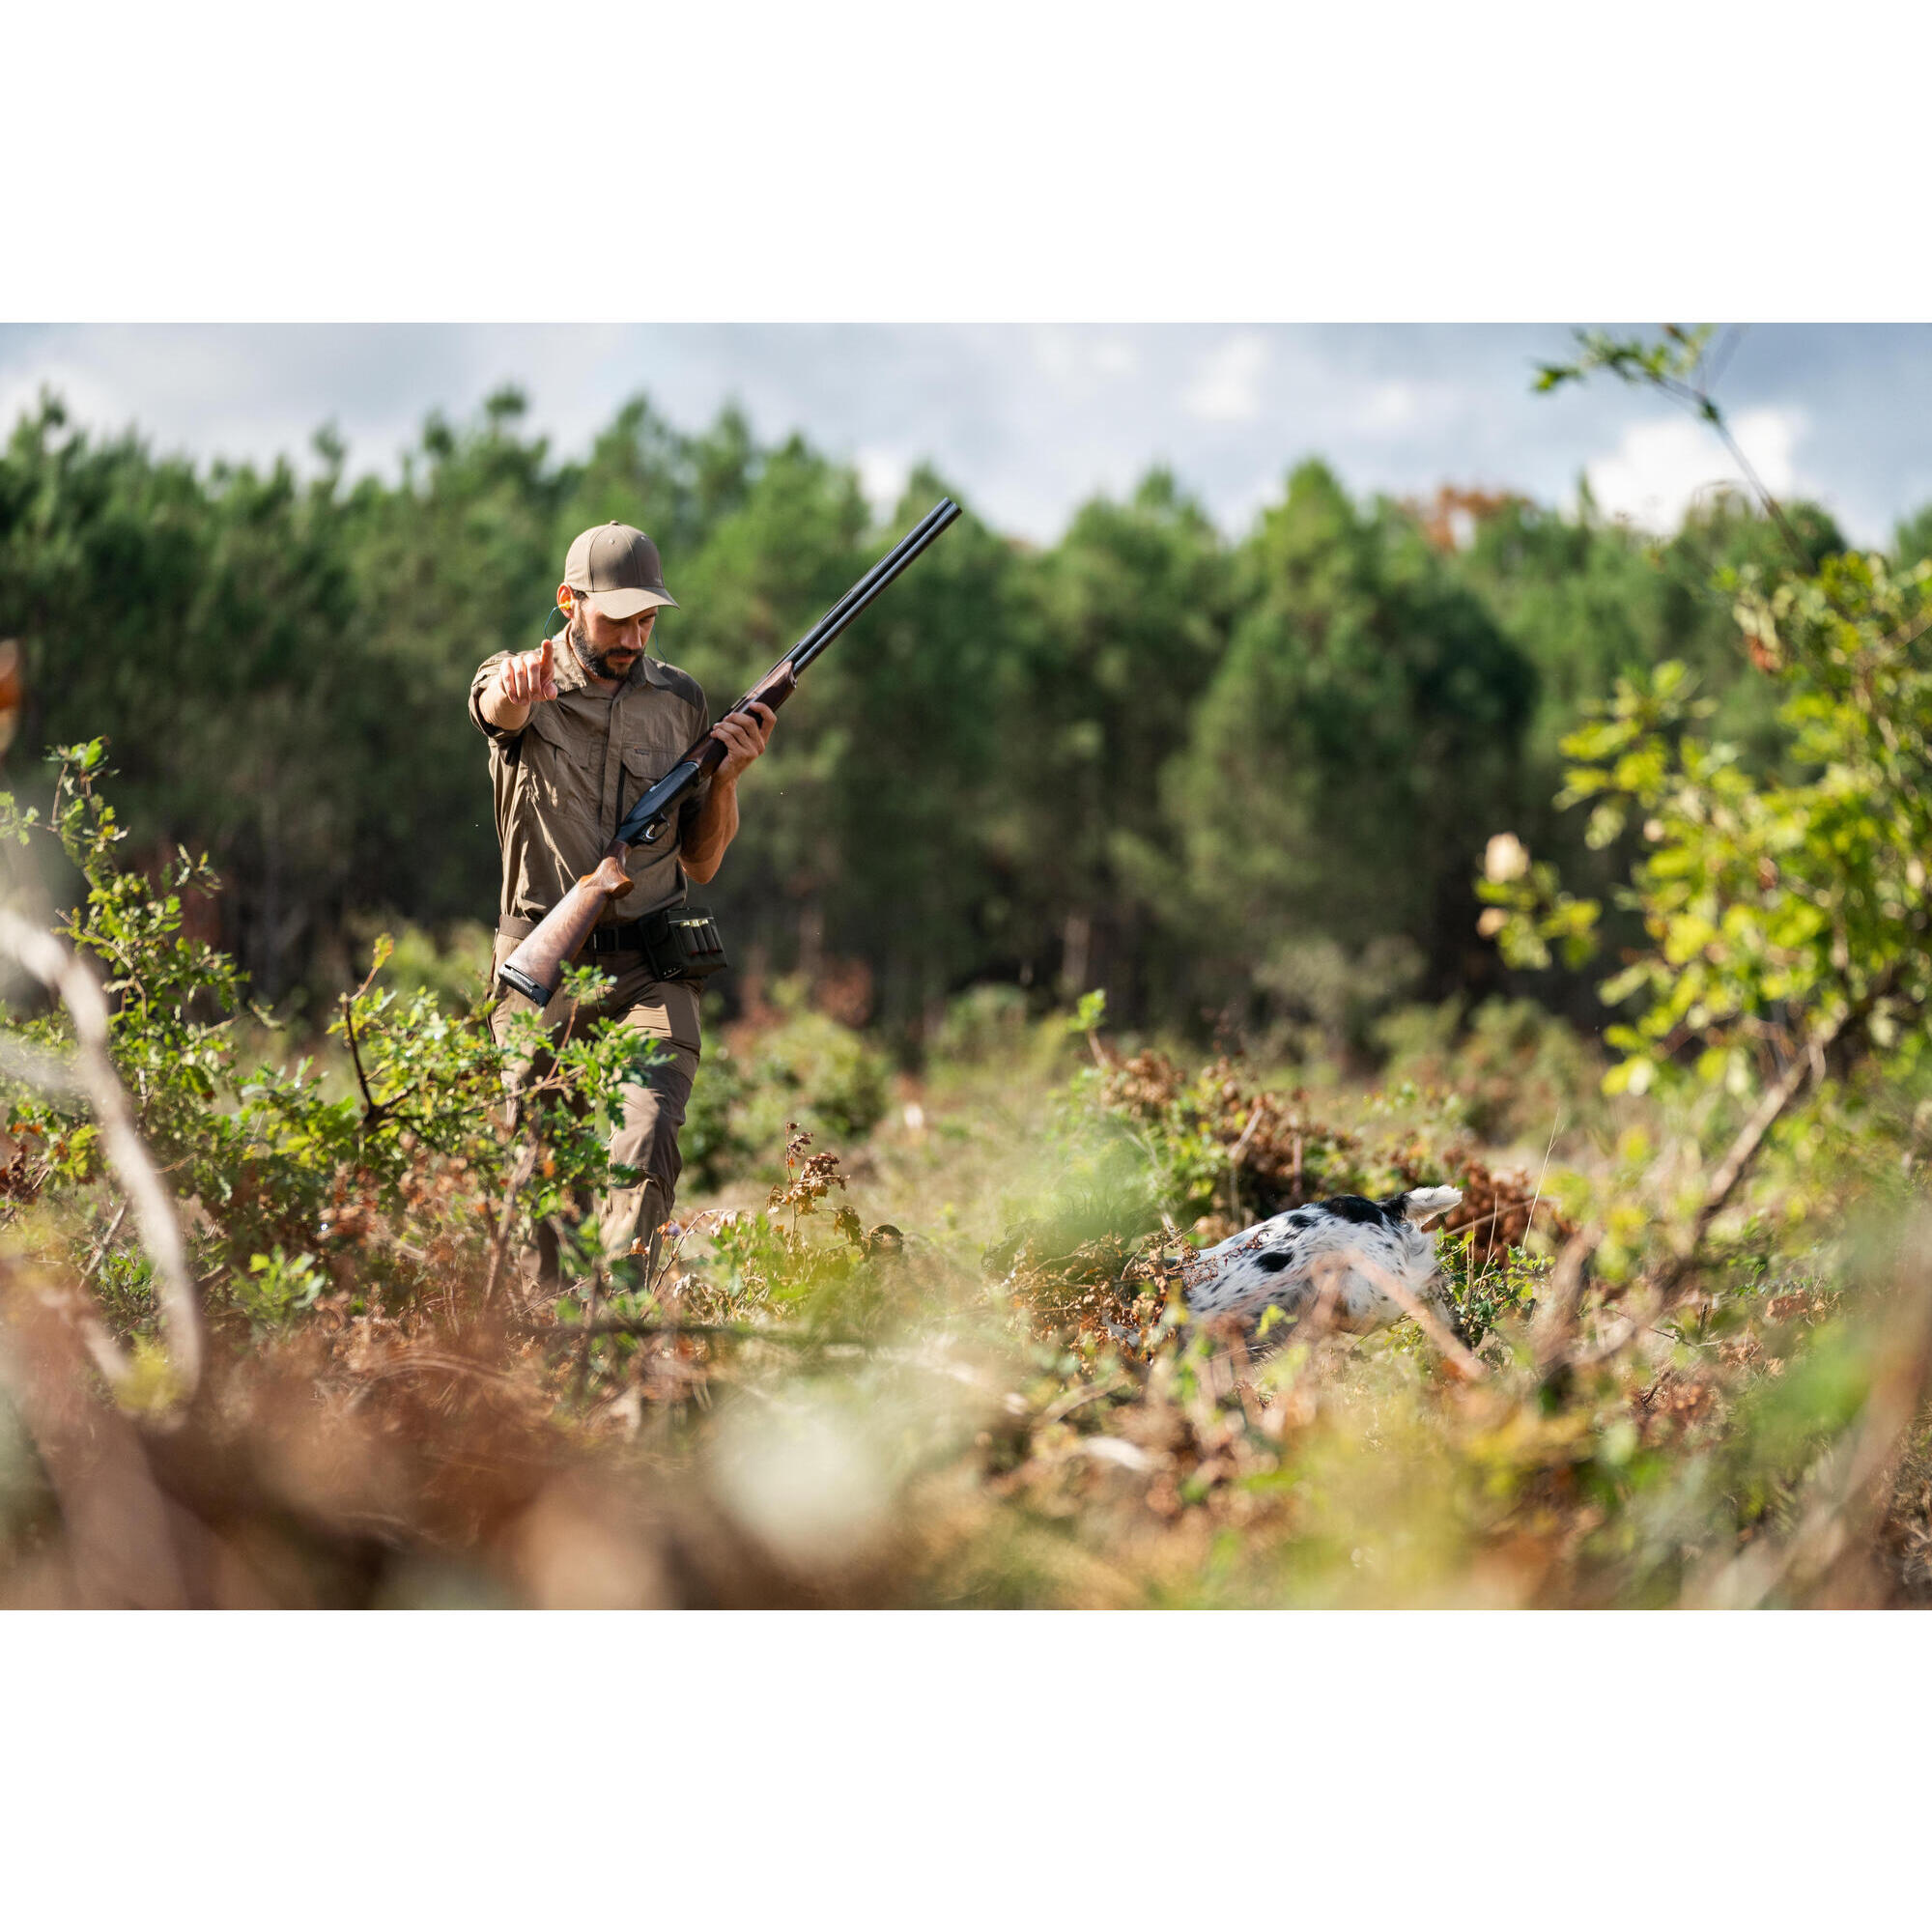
{"x": 1391, "y": 406}
{"x": 1079, "y": 362}
{"x": 883, "y": 474}
{"x": 1660, "y": 466}
{"x": 90, "y": 402}
{"x": 1227, "y": 383}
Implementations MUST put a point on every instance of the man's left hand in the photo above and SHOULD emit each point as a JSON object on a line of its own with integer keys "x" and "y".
{"x": 744, "y": 734}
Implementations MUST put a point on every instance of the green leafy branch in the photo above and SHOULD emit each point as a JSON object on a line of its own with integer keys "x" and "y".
{"x": 1677, "y": 363}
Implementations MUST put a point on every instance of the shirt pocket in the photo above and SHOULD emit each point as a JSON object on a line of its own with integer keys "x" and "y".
{"x": 562, "y": 767}
{"x": 644, "y": 764}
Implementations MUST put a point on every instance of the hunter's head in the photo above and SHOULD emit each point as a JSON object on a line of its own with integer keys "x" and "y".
{"x": 612, "y": 589}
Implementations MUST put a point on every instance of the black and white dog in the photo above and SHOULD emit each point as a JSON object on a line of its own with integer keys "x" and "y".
{"x": 1342, "y": 1252}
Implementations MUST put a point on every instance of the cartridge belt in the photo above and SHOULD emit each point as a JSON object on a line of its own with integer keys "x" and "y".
{"x": 677, "y": 942}
{"x": 626, "y": 938}
{"x": 603, "y": 938}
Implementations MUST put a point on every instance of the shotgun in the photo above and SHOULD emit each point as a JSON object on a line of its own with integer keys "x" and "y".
{"x": 535, "y": 968}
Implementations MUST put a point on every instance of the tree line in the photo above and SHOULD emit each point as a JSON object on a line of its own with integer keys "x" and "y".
{"x": 1238, "y": 782}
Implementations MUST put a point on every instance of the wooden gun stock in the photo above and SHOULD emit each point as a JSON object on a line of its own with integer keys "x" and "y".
{"x": 535, "y": 969}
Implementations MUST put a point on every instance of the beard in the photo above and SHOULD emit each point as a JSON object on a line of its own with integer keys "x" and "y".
{"x": 597, "y": 662}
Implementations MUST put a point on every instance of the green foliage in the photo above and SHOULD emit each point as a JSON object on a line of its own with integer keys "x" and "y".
{"x": 805, "y": 1068}
{"x": 1143, "y": 759}
{"x": 1485, "y": 1291}
{"x": 1143, "y": 1139}
{"x": 988, "y": 1024}
{"x": 1672, "y": 359}
{"x": 1325, "y": 1002}
{"x": 1772, "y": 910}
{"x": 394, "y": 1163}
{"x": 278, "y": 1287}
{"x": 1362, "y": 728}
{"x": 1520, "y": 1073}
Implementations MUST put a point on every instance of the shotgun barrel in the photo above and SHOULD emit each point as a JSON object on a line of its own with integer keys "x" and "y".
{"x": 535, "y": 969}
{"x": 647, "y": 820}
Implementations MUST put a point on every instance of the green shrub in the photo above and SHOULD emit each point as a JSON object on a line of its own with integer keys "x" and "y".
{"x": 715, "y": 1140}
{"x": 1519, "y": 1070}
{"x": 812, "y": 1069}
{"x": 397, "y": 1183}
{"x": 452, "y": 962}
{"x": 808, "y": 1069}
{"x": 984, "y": 1023}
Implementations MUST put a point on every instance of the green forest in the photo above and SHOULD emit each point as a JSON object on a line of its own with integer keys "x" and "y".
{"x": 1220, "y": 780}
{"x": 1093, "y": 903}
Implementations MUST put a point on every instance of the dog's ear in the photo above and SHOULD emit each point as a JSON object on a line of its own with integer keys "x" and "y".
{"x": 1422, "y": 1205}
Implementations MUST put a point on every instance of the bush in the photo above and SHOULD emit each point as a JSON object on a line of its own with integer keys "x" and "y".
{"x": 808, "y": 1069}
{"x": 452, "y": 962}
{"x": 1517, "y": 1069}
{"x": 984, "y": 1023}
{"x": 395, "y": 1185}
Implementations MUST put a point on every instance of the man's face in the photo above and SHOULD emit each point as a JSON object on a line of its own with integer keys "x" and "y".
{"x": 609, "y": 647}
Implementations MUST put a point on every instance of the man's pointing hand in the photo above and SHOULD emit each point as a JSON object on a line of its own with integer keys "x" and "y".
{"x": 524, "y": 677}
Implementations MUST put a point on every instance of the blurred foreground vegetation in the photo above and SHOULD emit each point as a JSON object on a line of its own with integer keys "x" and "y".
{"x": 918, "y": 1340}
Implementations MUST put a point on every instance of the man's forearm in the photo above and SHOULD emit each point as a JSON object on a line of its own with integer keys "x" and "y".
{"x": 505, "y": 712}
{"x": 714, "y": 828}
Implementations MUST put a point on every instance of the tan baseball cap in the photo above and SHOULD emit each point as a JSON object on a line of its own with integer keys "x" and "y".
{"x": 616, "y": 571}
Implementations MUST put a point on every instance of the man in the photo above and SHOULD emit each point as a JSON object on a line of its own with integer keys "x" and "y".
{"x": 576, "y": 737}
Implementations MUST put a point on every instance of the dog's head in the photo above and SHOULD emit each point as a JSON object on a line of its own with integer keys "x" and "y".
{"x": 1422, "y": 1205}
{"x": 1414, "y": 1212}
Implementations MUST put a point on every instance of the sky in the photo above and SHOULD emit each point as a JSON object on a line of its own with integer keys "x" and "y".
{"x": 1028, "y": 422}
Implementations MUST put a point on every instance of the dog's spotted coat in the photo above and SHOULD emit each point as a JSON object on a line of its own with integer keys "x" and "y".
{"x": 1344, "y": 1249}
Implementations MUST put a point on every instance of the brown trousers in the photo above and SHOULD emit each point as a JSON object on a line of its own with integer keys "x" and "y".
{"x": 653, "y": 1107}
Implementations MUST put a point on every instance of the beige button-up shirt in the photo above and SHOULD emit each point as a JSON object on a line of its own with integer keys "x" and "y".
{"x": 582, "y": 760}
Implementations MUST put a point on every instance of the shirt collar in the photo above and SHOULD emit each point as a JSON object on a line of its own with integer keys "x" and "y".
{"x": 569, "y": 674}
{"x": 568, "y": 670}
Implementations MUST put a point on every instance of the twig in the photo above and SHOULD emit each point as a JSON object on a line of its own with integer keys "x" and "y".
{"x": 685, "y": 1230}
{"x": 1712, "y": 416}
{"x": 519, "y": 1172}
{"x": 1236, "y": 1152}
{"x": 1536, "y": 1199}
{"x": 1059, "y": 1411}
{"x": 1804, "y": 1068}
{"x": 105, "y": 1242}
{"x": 370, "y": 1111}
{"x": 1554, "y": 1321}
{"x": 1695, "y": 395}
{"x": 1425, "y": 1318}
{"x": 1744, "y": 1149}
{"x": 735, "y": 1331}
{"x": 374, "y": 1112}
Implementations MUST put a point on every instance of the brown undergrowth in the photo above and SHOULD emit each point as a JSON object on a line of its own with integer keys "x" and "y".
{"x": 833, "y": 1418}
